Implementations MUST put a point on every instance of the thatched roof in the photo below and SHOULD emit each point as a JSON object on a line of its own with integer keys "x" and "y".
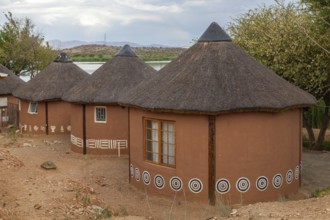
{"x": 52, "y": 82}
{"x": 112, "y": 80}
{"x": 216, "y": 76}
{"x": 10, "y": 82}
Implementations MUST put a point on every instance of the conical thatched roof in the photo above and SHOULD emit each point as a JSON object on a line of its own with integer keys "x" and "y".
{"x": 9, "y": 83}
{"x": 216, "y": 76}
{"x": 52, "y": 82}
{"x": 112, "y": 80}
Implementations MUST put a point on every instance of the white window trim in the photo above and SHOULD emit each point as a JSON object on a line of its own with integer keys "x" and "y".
{"x": 105, "y": 111}
{"x": 33, "y": 113}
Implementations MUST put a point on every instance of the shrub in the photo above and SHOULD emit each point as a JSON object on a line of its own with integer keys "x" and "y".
{"x": 321, "y": 192}
{"x": 326, "y": 145}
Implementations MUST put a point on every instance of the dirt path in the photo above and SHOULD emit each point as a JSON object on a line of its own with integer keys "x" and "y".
{"x": 82, "y": 186}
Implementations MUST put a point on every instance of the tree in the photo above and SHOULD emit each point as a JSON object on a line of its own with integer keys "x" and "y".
{"x": 22, "y": 49}
{"x": 288, "y": 39}
{"x": 319, "y": 11}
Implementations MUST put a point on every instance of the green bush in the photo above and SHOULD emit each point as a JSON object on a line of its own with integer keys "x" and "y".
{"x": 315, "y": 114}
{"x": 321, "y": 192}
{"x": 305, "y": 142}
{"x": 326, "y": 145}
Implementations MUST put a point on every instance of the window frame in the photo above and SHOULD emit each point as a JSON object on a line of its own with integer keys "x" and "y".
{"x": 160, "y": 142}
{"x": 105, "y": 114}
{"x": 36, "y": 108}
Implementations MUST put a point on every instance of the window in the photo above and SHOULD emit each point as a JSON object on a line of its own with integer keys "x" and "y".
{"x": 100, "y": 114}
{"x": 159, "y": 142}
{"x": 33, "y": 108}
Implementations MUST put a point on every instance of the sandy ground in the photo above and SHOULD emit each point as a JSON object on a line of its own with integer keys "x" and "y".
{"x": 92, "y": 187}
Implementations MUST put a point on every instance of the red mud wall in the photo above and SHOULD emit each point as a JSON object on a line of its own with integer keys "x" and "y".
{"x": 13, "y": 100}
{"x": 258, "y": 155}
{"x": 32, "y": 123}
{"x": 101, "y": 138}
{"x": 58, "y": 118}
{"x": 191, "y": 157}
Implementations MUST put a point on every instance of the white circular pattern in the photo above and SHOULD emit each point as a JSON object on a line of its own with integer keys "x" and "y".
{"x": 131, "y": 170}
{"x": 296, "y": 172}
{"x": 159, "y": 181}
{"x": 243, "y": 184}
{"x": 195, "y": 185}
{"x": 277, "y": 180}
{"x": 222, "y": 186}
{"x": 289, "y": 176}
{"x": 137, "y": 174}
{"x": 176, "y": 183}
{"x": 262, "y": 183}
{"x": 146, "y": 177}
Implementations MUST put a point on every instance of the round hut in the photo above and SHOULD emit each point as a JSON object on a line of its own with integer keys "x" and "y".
{"x": 99, "y": 125}
{"x": 215, "y": 124}
{"x": 42, "y": 110}
{"x": 8, "y": 103}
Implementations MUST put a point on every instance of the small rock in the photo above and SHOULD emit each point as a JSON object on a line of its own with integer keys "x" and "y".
{"x": 233, "y": 212}
{"x": 27, "y": 145}
{"x": 97, "y": 209}
{"x": 48, "y": 165}
{"x": 271, "y": 215}
{"x": 37, "y": 206}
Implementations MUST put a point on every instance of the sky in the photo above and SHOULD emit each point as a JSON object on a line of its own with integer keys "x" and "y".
{"x": 145, "y": 22}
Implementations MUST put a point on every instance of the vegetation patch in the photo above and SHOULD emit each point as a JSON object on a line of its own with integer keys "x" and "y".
{"x": 321, "y": 192}
{"x": 326, "y": 145}
{"x": 102, "y": 53}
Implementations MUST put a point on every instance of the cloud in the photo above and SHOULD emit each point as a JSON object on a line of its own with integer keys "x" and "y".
{"x": 173, "y": 22}
{"x": 142, "y": 5}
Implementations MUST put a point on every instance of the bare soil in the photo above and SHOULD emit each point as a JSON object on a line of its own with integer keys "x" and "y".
{"x": 92, "y": 187}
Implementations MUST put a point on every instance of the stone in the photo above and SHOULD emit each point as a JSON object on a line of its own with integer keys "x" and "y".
{"x": 27, "y": 145}
{"x": 37, "y": 206}
{"x": 97, "y": 209}
{"x": 233, "y": 212}
{"x": 48, "y": 165}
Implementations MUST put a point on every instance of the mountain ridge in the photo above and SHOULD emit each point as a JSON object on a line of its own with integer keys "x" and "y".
{"x": 59, "y": 44}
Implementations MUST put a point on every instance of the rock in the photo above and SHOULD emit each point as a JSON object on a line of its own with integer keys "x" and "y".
{"x": 27, "y": 145}
{"x": 233, "y": 212}
{"x": 37, "y": 206}
{"x": 97, "y": 209}
{"x": 48, "y": 165}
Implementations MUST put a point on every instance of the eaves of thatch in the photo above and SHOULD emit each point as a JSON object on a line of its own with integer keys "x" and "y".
{"x": 52, "y": 82}
{"x": 10, "y": 82}
{"x": 215, "y": 76}
{"x": 112, "y": 80}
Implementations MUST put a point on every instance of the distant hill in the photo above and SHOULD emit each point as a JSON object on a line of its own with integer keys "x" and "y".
{"x": 59, "y": 45}
{"x": 97, "y": 52}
